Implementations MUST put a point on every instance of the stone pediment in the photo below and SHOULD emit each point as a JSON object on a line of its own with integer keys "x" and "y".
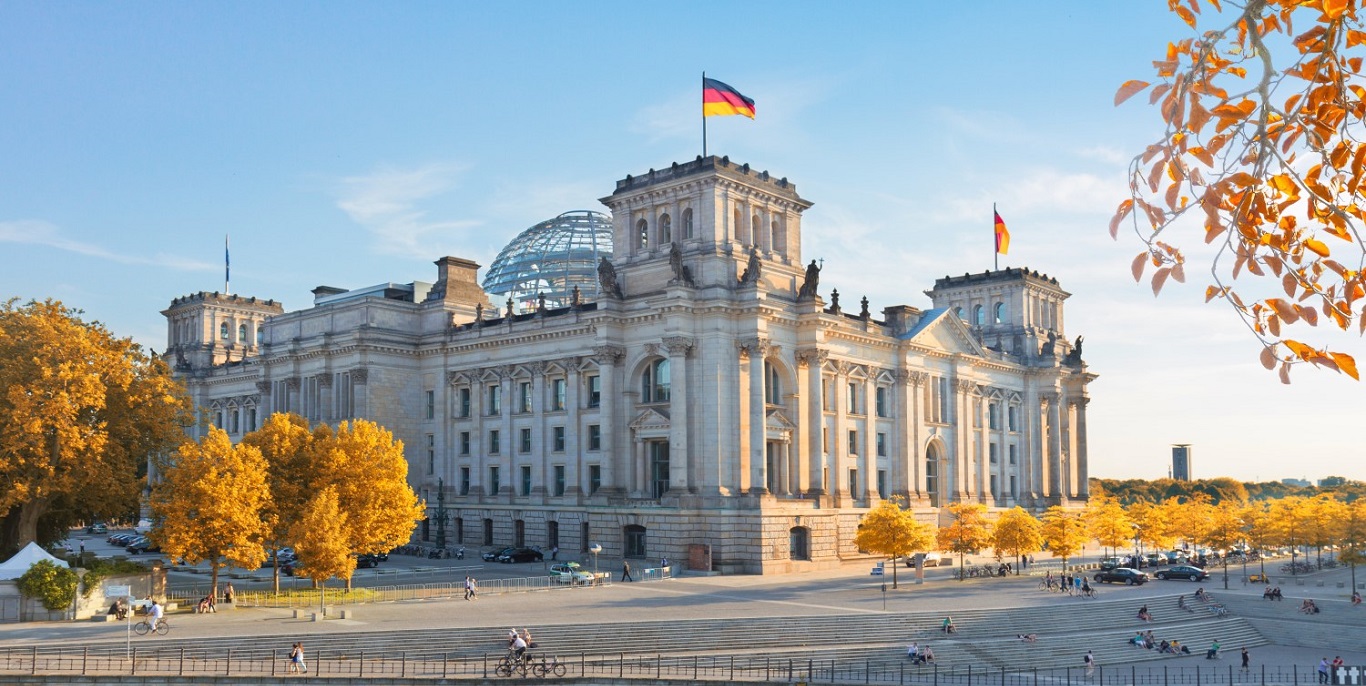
{"x": 652, "y": 419}
{"x": 777, "y": 427}
{"x": 940, "y": 329}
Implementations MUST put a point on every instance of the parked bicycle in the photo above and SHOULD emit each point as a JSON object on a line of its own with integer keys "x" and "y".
{"x": 510, "y": 664}
{"x": 548, "y": 666}
{"x": 144, "y": 626}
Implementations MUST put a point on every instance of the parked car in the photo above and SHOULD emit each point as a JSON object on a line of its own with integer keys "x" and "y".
{"x": 97, "y": 528}
{"x": 1109, "y": 563}
{"x": 931, "y": 560}
{"x": 521, "y": 555}
{"x": 1156, "y": 559}
{"x": 1182, "y": 572}
{"x": 142, "y": 544}
{"x": 1122, "y": 575}
{"x": 492, "y": 555}
{"x": 570, "y": 573}
{"x": 366, "y": 561}
{"x": 122, "y": 539}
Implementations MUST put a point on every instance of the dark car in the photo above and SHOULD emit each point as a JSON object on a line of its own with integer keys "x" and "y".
{"x": 367, "y": 561}
{"x": 1109, "y": 563}
{"x": 521, "y": 555}
{"x": 1122, "y": 575}
{"x": 142, "y": 544}
{"x": 97, "y": 528}
{"x": 493, "y": 555}
{"x": 1182, "y": 572}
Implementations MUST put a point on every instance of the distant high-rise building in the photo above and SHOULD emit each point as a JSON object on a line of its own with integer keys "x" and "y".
{"x": 1181, "y": 462}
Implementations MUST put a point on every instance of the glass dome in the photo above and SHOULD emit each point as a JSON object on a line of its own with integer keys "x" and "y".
{"x": 551, "y": 258}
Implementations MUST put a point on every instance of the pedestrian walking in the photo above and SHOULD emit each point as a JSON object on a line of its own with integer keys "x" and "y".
{"x": 626, "y": 571}
{"x": 1090, "y": 663}
{"x": 296, "y": 660}
{"x": 1246, "y": 659}
{"x": 1323, "y": 671}
{"x": 471, "y": 588}
{"x": 554, "y": 553}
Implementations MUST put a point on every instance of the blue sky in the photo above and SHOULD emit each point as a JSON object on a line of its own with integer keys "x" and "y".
{"x": 349, "y": 144}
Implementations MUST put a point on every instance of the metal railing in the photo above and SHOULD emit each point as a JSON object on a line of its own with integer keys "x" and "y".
{"x": 142, "y": 660}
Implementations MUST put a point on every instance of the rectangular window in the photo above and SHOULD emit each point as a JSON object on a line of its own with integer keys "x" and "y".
{"x": 464, "y": 481}
{"x": 853, "y": 442}
{"x": 251, "y": 419}
{"x": 464, "y": 402}
{"x": 594, "y": 478}
{"x": 431, "y": 405}
{"x": 881, "y": 401}
{"x": 494, "y": 395}
{"x": 881, "y": 447}
{"x": 882, "y": 482}
{"x": 827, "y": 395}
{"x": 557, "y": 395}
{"x": 1011, "y": 418}
{"x": 825, "y": 440}
{"x": 526, "y": 480}
{"x": 558, "y": 433}
{"x": 524, "y": 397}
{"x": 853, "y": 398}
{"x": 431, "y": 454}
{"x": 993, "y": 485}
{"x": 594, "y": 390}
{"x": 992, "y": 450}
{"x": 236, "y": 421}
{"x": 595, "y": 437}
{"x": 524, "y": 440}
{"x": 994, "y": 416}
{"x": 494, "y": 447}
{"x": 977, "y": 412}
{"x": 853, "y": 483}
{"x": 494, "y": 485}
{"x": 1013, "y": 493}
{"x": 1012, "y": 454}
{"x": 559, "y": 480}
{"x": 464, "y": 442}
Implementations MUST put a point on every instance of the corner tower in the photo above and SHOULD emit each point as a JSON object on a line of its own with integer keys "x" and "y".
{"x": 206, "y": 329}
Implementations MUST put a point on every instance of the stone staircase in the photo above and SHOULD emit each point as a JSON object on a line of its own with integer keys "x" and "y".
{"x": 1339, "y": 626}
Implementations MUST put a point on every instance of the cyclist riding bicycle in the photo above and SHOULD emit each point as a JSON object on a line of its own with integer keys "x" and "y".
{"x": 155, "y": 613}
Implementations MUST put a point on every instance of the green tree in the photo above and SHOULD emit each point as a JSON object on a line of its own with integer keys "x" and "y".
{"x": 1017, "y": 532}
{"x": 208, "y": 504}
{"x": 1064, "y": 531}
{"x": 891, "y": 530}
{"x": 50, "y": 583}
{"x": 82, "y": 411}
{"x": 969, "y": 531}
{"x": 1262, "y": 145}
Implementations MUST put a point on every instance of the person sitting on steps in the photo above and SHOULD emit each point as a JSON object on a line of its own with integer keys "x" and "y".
{"x": 948, "y": 626}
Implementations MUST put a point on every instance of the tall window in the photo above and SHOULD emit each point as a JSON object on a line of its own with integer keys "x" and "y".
{"x": 524, "y": 397}
{"x": 853, "y": 483}
{"x": 431, "y": 404}
{"x": 524, "y": 440}
{"x": 852, "y": 398}
{"x": 488, "y": 532}
{"x": 799, "y": 545}
{"x": 665, "y": 230}
{"x": 493, "y": 442}
{"x": 594, "y": 390}
{"x": 853, "y": 442}
{"x": 223, "y": 331}
{"x": 558, "y": 434}
{"x": 494, "y": 485}
{"x": 594, "y": 478}
{"x": 654, "y": 386}
{"x": 979, "y": 316}
{"x": 431, "y": 454}
{"x": 464, "y": 402}
{"x": 642, "y": 234}
{"x": 882, "y": 482}
{"x": 773, "y": 390}
{"x": 881, "y": 445}
{"x": 595, "y": 437}
{"x": 557, "y": 394}
{"x": 687, "y": 223}
{"x": 1000, "y": 313}
{"x": 242, "y": 334}
{"x": 991, "y": 452}
{"x": 526, "y": 480}
{"x": 994, "y": 415}
{"x": 494, "y": 400}
{"x": 464, "y": 442}
{"x": 1011, "y": 418}
{"x": 1012, "y": 453}
{"x": 464, "y": 481}
{"x": 559, "y": 480}
{"x": 260, "y": 335}
{"x": 634, "y": 537}
{"x": 659, "y": 467}
{"x": 881, "y": 401}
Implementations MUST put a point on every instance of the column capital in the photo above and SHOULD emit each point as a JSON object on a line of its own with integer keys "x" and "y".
{"x": 808, "y": 356}
{"x": 680, "y": 346}
{"x": 263, "y": 387}
{"x": 608, "y": 355}
{"x": 755, "y": 347}
{"x": 360, "y": 376}
{"x": 965, "y": 386}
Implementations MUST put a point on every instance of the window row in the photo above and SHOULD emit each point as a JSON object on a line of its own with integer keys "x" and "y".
{"x": 523, "y": 400}
{"x": 634, "y": 537}
{"x": 494, "y": 443}
{"x": 524, "y": 480}
{"x": 235, "y": 420}
{"x": 664, "y": 230}
{"x": 855, "y": 398}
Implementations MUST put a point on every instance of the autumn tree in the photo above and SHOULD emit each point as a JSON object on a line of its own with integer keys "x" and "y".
{"x": 1259, "y": 528}
{"x": 969, "y": 532}
{"x": 208, "y": 504}
{"x": 321, "y": 534}
{"x": 1223, "y": 530}
{"x": 1262, "y": 148}
{"x": 1354, "y": 536}
{"x": 1324, "y": 523}
{"x": 1017, "y": 532}
{"x": 1290, "y": 517}
{"x": 1108, "y": 523}
{"x": 891, "y": 530}
{"x": 286, "y": 444}
{"x": 1064, "y": 531}
{"x": 1190, "y": 519}
{"x": 82, "y": 411}
{"x": 1152, "y": 523}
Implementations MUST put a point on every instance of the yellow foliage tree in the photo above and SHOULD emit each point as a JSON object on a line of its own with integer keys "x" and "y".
{"x": 1190, "y": 520}
{"x": 890, "y": 530}
{"x": 1153, "y": 522}
{"x": 1064, "y": 531}
{"x": 1262, "y": 145}
{"x": 321, "y": 534}
{"x": 1223, "y": 530}
{"x": 1354, "y": 536}
{"x": 1108, "y": 523}
{"x": 1290, "y": 517}
{"x": 1017, "y": 532}
{"x": 286, "y": 443}
{"x": 1326, "y": 514}
{"x": 82, "y": 410}
{"x": 969, "y": 532}
{"x": 1259, "y": 528}
{"x": 208, "y": 504}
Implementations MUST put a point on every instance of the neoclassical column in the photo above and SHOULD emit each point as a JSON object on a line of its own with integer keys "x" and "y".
{"x": 839, "y": 439}
{"x": 574, "y": 449}
{"x": 507, "y": 447}
{"x": 360, "y": 405}
{"x": 540, "y": 469}
{"x": 617, "y": 451}
{"x": 813, "y": 479}
{"x": 325, "y": 397}
{"x": 682, "y": 475}
{"x": 756, "y": 349}
{"x": 1054, "y": 457}
{"x": 1080, "y": 456}
{"x": 911, "y": 418}
{"x": 266, "y": 405}
{"x": 870, "y": 456}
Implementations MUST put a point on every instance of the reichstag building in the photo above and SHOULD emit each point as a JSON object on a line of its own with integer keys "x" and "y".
{"x": 674, "y": 380}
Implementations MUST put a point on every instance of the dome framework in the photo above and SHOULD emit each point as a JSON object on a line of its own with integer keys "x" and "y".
{"x": 550, "y": 259}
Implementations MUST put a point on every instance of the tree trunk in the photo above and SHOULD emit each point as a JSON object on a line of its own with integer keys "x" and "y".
{"x": 21, "y": 524}
{"x": 213, "y": 580}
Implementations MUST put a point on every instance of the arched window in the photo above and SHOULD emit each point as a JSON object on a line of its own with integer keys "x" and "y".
{"x": 642, "y": 234}
{"x": 1000, "y": 313}
{"x": 932, "y": 477}
{"x": 242, "y": 334}
{"x": 799, "y": 543}
{"x": 687, "y": 223}
{"x": 776, "y": 237}
{"x": 740, "y": 227}
{"x": 773, "y": 390}
{"x": 756, "y": 229}
{"x": 654, "y": 383}
{"x": 979, "y": 315}
{"x": 223, "y": 331}
{"x": 260, "y": 335}
{"x": 959, "y": 312}
{"x": 665, "y": 229}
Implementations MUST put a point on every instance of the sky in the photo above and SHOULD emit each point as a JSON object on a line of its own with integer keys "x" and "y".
{"x": 349, "y": 144}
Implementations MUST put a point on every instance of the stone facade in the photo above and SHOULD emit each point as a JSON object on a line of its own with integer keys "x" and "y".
{"x": 711, "y": 401}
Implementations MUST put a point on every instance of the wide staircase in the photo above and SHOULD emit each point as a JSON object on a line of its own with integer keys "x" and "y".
{"x": 986, "y": 638}
{"x": 1338, "y": 627}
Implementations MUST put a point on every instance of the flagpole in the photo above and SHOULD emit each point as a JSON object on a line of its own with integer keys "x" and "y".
{"x": 227, "y": 267}
{"x": 704, "y": 116}
{"x": 995, "y": 249}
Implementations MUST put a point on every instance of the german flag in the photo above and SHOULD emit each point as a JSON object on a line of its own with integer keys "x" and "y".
{"x": 1002, "y": 236}
{"x": 718, "y": 99}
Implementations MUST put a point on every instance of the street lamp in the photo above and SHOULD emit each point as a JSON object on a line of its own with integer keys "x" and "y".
{"x": 595, "y": 549}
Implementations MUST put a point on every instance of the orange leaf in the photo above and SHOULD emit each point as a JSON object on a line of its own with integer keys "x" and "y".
{"x": 1301, "y": 350}
{"x": 1179, "y": 273}
{"x": 1334, "y": 8}
{"x": 1159, "y": 278}
{"x": 1285, "y": 373}
{"x": 1212, "y": 291}
{"x": 1318, "y": 247}
{"x": 1289, "y": 283}
{"x": 1346, "y": 364}
{"x": 1308, "y": 314}
{"x": 1137, "y": 267}
{"x": 1128, "y": 90}
{"x": 1268, "y": 358}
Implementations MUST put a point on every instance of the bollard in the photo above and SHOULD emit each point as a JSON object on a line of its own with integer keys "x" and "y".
{"x": 227, "y": 669}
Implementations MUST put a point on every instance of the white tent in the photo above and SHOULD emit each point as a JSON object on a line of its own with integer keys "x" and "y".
{"x": 15, "y": 567}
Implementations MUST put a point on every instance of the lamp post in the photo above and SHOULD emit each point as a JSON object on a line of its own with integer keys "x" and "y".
{"x": 595, "y": 549}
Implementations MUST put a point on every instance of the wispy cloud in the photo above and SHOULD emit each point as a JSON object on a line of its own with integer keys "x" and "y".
{"x": 38, "y": 232}
{"x": 386, "y": 203}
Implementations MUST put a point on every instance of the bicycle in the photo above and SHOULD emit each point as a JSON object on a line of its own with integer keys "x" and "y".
{"x": 547, "y": 667}
{"x": 510, "y": 664}
{"x": 1088, "y": 592}
{"x": 142, "y": 627}
{"x": 1047, "y": 584}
